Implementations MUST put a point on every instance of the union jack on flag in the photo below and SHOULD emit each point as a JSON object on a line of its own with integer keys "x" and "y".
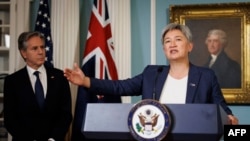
{"x": 99, "y": 45}
{"x": 98, "y": 62}
{"x": 43, "y": 26}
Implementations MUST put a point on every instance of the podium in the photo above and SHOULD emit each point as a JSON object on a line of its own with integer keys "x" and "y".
{"x": 189, "y": 122}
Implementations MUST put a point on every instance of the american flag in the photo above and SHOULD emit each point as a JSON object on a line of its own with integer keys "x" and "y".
{"x": 43, "y": 26}
{"x": 98, "y": 62}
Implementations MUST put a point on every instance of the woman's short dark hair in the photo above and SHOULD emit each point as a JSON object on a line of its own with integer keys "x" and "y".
{"x": 174, "y": 26}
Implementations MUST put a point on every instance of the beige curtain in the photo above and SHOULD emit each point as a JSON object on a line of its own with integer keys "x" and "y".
{"x": 119, "y": 11}
{"x": 65, "y": 36}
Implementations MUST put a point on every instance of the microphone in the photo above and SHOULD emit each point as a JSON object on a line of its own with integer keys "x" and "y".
{"x": 159, "y": 70}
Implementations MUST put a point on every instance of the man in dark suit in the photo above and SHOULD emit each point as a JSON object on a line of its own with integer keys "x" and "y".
{"x": 179, "y": 82}
{"x": 227, "y": 70}
{"x": 25, "y": 117}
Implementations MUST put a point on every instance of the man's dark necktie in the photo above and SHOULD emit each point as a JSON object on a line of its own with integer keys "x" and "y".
{"x": 39, "y": 90}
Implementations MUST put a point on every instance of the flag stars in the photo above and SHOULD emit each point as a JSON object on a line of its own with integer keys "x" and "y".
{"x": 45, "y": 15}
{"x": 48, "y": 38}
{"x": 41, "y": 2}
{"x": 44, "y": 25}
{"x": 47, "y": 48}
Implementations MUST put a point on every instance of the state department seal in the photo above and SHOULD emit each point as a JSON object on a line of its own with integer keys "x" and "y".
{"x": 148, "y": 120}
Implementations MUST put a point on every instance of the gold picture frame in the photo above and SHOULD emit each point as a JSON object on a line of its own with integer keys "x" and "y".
{"x": 234, "y": 18}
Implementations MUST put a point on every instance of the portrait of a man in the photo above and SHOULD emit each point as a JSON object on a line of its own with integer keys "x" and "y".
{"x": 228, "y": 71}
{"x": 217, "y": 45}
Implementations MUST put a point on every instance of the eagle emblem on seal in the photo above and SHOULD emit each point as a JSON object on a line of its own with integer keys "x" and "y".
{"x": 147, "y": 122}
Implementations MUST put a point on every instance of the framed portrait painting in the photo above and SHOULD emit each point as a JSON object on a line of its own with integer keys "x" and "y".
{"x": 232, "y": 22}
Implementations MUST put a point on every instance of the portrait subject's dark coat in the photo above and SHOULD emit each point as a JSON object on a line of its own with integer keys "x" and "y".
{"x": 227, "y": 71}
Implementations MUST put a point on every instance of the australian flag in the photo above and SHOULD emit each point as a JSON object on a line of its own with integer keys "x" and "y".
{"x": 43, "y": 26}
{"x": 98, "y": 62}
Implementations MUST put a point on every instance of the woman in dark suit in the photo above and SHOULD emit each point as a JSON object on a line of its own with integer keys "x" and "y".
{"x": 25, "y": 117}
{"x": 178, "y": 82}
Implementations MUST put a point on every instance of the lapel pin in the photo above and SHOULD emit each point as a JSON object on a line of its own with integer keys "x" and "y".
{"x": 192, "y": 84}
